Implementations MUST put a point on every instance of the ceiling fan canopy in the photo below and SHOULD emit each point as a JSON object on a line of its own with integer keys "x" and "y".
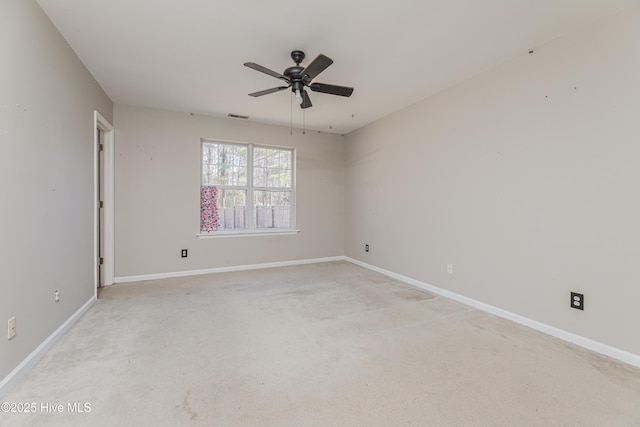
{"x": 298, "y": 77}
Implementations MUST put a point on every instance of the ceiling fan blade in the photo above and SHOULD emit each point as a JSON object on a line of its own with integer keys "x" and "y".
{"x": 331, "y": 89}
{"x": 268, "y": 91}
{"x": 265, "y": 70}
{"x": 306, "y": 101}
{"x": 317, "y": 66}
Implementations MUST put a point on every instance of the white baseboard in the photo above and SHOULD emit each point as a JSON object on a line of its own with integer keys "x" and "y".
{"x": 615, "y": 353}
{"x": 142, "y": 277}
{"x": 40, "y": 351}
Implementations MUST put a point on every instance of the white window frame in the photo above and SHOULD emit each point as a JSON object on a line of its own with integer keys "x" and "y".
{"x": 250, "y": 211}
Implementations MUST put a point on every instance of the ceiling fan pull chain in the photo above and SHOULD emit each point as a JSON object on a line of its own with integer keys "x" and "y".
{"x": 304, "y": 122}
{"x": 291, "y": 115}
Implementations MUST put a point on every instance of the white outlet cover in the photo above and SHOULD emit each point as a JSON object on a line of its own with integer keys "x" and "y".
{"x": 11, "y": 328}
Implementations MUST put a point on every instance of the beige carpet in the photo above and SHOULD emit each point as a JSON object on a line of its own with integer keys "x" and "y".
{"x": 317, "y": 345}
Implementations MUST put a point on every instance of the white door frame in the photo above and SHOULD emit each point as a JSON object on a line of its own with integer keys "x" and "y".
{"x": 102, "y": 124}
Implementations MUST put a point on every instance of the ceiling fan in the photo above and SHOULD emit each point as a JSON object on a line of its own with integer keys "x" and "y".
{"x": 298, "y": 77}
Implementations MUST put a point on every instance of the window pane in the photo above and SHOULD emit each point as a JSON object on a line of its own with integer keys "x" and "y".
{"x": 224, "y": 164}
{"x": 272, "y": 167}
{"x": 272, "y": 209}
{"x": 231, "y": 209}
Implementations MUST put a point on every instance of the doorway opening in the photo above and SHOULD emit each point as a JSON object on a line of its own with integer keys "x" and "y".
{"x": 103, "y": 198}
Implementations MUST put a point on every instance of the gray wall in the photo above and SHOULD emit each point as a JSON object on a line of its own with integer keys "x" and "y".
{"x": 525, "y": 178}
{"x": 157, "y": 159}
{"x": 47, "y": 99}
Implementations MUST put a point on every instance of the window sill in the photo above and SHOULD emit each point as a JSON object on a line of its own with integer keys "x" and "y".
{"x": 246, "y": 233}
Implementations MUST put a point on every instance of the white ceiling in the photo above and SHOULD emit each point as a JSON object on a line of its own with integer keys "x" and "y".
{"x": 188, "y": 55}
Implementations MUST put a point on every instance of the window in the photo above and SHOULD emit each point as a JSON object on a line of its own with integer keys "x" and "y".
{"x": 246, "y": 188}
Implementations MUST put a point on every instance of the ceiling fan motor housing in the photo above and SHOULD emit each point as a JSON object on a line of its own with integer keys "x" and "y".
{"x": 293, "y": 72}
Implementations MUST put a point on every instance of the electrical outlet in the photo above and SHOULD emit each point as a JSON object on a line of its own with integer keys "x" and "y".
{"x": 11, "y": 328}
{"x": 577, "y": 301}
{"x": 56, "y": 295}
{"x": 366, "y": 248}
{"x": 450, "y": 268}
{"x": 183, "y": 253}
